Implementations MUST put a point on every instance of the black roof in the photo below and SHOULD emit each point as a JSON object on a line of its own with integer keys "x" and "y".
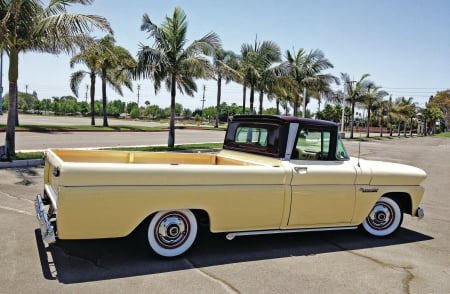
{"x": 283, "y": 119}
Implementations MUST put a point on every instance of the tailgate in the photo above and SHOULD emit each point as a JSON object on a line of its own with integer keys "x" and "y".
{"x": 46, "y": 206}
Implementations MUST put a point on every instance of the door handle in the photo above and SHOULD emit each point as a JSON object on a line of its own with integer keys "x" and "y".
{"x": 301, "y": 169}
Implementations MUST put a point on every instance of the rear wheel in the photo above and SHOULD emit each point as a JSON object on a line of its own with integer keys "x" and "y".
{"x": 384, "y": 219}
{"x": 172, "y": 233}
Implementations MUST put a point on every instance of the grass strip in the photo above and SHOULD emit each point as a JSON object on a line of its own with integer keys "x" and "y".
{"x": 113, "y": 128}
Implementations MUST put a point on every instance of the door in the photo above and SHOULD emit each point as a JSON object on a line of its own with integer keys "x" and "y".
{"x": 323, "y": 191}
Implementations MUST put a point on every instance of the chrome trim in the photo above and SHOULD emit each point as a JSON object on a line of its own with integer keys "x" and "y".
{"x": 420, "y": 213}
{"x": 301, "y": 169}
{"x": 47, "y": 229}
{"x": 231, "y": 236}
{"x": 368, "y": 190}
{"x": 293, "y": 128}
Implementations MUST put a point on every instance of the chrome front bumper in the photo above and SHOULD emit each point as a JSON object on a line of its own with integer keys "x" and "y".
{"x": 47, "y": 229}
{"x": 420, "y": 213}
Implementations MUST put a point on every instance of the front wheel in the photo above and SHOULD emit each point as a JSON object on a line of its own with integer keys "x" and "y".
{"x": 384, "y": 219}
{"x": 172, "y": 233}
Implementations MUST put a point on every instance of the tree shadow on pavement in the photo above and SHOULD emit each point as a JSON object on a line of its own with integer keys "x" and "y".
{"x": 92, "y": 260}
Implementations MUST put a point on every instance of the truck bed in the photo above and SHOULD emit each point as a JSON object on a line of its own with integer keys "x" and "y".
{"x": 136, "y": 157}
{"x": 66, "y": 167}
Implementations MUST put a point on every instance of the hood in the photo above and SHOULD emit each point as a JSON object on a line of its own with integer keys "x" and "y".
{"x": 389, "y": 173}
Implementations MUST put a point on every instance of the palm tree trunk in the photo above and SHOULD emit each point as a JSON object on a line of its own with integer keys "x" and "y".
{"x": 390, "y": 126}
{"x": 252, "y": 98}
{"x": 368, "y": 123}
{"x": 261, "y": 97}
{"x": 244, "y": 94}
{"x": 13, "y": 74}
{"x": 171, "y": 141}
{"x": 92, "y": 92}
{"x": 17, "y": 111}
{"x": 10, "y": 138}
{"x": 219, "y": 93}
{"x": 304, "y": 102}
{"x": 411, "y": 127}
{"x": 352, "y": 119}
{"x": 104, "y": 100}
{"x": 295, "y": 112}
{"x": 381, "y": 127}
{"x": 404, "y": 129}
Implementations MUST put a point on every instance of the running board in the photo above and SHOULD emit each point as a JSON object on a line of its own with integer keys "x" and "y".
{"x": 231, "y": 236}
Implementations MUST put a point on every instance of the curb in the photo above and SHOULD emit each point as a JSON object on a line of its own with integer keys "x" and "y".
{"x": 22, "y": 163}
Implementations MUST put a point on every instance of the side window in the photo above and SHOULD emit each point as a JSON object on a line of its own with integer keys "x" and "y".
{"x": 312, "y": 144}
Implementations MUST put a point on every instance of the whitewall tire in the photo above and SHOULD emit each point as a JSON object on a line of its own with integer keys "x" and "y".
{"x": 384, "y": 219}
{"x": 172, "y": 232}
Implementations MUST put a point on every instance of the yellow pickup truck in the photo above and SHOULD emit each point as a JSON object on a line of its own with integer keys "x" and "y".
{"x": 275, "y": 174}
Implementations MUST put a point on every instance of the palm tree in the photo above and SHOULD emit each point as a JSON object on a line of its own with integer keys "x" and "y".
{"x": 225, "y": 67}
{"x": 172, "y": 62}
{"x": 28, "y": 26}
{"x": 284, "y": 90}
{"x": 354, "y": 94}
{"x": 116, "y": 69}
{"x": 380, "y": 110}
{"x": 407, "y": 110}
{"x": 120, "y": 74}
{"x": 257, "y": 58}
{"x": 370, "y": 98}
{"x": 114, "y": 65}
{"x": 266, "y": 85}
{"x": 322, "y": 91}
{"x": 305, "y": 69}
{"x": 88, "y": 56}
{"x": 392, "y": 113}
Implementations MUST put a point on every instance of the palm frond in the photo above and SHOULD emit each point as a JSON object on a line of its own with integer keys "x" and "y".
{"x": 75, "y": 81}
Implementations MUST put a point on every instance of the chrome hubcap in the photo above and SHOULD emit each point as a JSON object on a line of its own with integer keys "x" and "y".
{"x": 381, "y": 216}
{"x": 172, "y": 230}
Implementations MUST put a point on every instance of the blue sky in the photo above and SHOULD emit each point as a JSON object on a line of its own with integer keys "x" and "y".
{"x": 403, "y": 44}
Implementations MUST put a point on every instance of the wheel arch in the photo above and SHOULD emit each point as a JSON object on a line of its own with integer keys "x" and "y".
{"x": 403, "y": 200}
{"x": 201, "y": 215}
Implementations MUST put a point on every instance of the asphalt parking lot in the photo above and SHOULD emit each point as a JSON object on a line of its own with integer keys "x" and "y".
{"x": 415, "y": 260}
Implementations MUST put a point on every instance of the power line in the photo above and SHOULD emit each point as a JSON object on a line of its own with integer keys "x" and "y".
{"x": 410, "y": 88}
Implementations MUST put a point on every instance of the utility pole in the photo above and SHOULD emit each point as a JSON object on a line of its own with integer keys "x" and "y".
{"x": 87, "y": 89}
{"x": 1, "y": 82}
{"x": 203, "y": 99}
